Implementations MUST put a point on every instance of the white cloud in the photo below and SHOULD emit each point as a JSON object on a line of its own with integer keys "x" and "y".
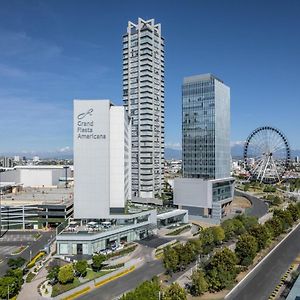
{"x": 174, "y": 146}
{"x": 65, "y": 149}
{"x": 237, "y": 143}
{"x": 21, "y": 44}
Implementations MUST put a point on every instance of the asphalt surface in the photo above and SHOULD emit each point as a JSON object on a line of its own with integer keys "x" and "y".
{"x": 123, "y": 284}
{"x": 258, "y": 209}
{"x": 263, "y": 280}
{"x": 154, "y": 241}
{"x": 20, "y": 238}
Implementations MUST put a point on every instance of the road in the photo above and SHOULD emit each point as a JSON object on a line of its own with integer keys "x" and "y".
{"x": 34, "y": 246}
{"x": 150, "y": 268}
{"x": 258, "y": 209}
{"x": 263, "y": 280}
{"x": 123, "y": 284}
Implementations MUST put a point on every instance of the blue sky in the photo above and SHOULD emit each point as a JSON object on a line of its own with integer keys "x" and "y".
{"x": 54, "y": 51}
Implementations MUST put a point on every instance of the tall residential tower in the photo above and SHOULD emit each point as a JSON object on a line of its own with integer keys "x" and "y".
{"x": 143, "y": 96}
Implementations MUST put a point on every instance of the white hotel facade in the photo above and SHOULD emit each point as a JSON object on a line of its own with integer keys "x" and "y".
{"x": 102, "y": 184}
{"x": 143, "y": 96}
{"x": 102, "y": 154}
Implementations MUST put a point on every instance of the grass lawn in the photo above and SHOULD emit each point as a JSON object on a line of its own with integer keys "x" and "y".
{"x": 59, "y": 288}
{"x": 92, "y": 275}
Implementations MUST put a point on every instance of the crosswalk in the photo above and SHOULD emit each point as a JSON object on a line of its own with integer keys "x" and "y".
{"x": 7, "y": 250}
{"x": 17, "y": 238}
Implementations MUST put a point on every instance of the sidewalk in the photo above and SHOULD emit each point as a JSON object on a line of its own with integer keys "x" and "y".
{"x": 30, "y": 290}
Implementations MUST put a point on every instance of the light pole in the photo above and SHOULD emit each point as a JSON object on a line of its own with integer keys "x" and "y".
{"x": 12, "y": 285}
{"x": 66, "y": 176}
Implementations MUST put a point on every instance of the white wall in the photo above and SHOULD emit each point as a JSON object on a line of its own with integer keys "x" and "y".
{"x": 193, "y": 192}
{"x": 91, "y": 159}
{"x": 117, "y": 171}
{"x": 36, "y": 177}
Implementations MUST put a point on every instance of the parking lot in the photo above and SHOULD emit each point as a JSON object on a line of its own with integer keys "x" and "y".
{"x": 12, "y": 240}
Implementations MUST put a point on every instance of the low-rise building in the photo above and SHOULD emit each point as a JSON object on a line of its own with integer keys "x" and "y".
{"x": 35, "y": 208}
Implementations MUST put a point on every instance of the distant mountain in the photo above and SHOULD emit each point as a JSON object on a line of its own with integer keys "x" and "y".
{"x": 173, "y": 153}
{"x": 237, "y": 152}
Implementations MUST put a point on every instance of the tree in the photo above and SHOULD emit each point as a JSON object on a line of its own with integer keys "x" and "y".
{"x": 81, "y": 267}
{"x": 185, "y": 254}
{"x": 170, "y": 260}
{"x": 196, "y": 245}
{"x": 174, "y": 292}
{"x": 246, "y": 249}
{"x": 274, "y": 226}
{"x": 262, "y": 235}
{"x": 66, "y": 274}
{"x": 232, "y": 228}
{"x": 218, "y": 234}
{"x": 98, "y": 260}
{"x": 207, "y": 240}
{"x": 148, "y": 290}
{"x": 199, "y": 284}
{"x": 5, "y": 283}
{"x": 247, "y": 221}
{"x": 293, "y": 210}
{"x": 53, "y": 273}
{"x": 285, "y": 217}
{"x": 17, "y": 274}
{"x": 221, "y": 270}
{"x": 12, "y": 280}
{"x": 16, "y": 263}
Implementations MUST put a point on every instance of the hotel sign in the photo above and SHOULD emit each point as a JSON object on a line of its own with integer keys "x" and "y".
{"x": 85, "y": 127}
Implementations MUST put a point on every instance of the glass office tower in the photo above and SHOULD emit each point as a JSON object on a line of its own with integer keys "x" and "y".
{"x": 205, "y": 127}
{"x": 143, "y": 96}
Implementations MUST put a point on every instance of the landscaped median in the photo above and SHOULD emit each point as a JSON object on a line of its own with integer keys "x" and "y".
{"x": 87, "y": 289}
{"x": 19, "y": 250}
{"x": 180, "y": 230}
{"x": 159, "y": 252}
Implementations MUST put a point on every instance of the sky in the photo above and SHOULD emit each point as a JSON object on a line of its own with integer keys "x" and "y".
{"x": 52, "y": 52}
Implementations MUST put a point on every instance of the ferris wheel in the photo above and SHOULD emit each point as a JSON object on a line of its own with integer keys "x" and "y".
{"x": 267, "y": 154}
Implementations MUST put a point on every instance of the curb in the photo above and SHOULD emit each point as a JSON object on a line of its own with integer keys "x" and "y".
{"x": 14, "y": 254}
{"x": 98, "y": 284}
{"x": 123, "y": 273}
{"x": 77, "y": 294}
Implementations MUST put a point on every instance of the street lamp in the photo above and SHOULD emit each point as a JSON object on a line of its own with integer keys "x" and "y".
{"x": 12, "y": 285}
{"x": 66, "y": 176}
